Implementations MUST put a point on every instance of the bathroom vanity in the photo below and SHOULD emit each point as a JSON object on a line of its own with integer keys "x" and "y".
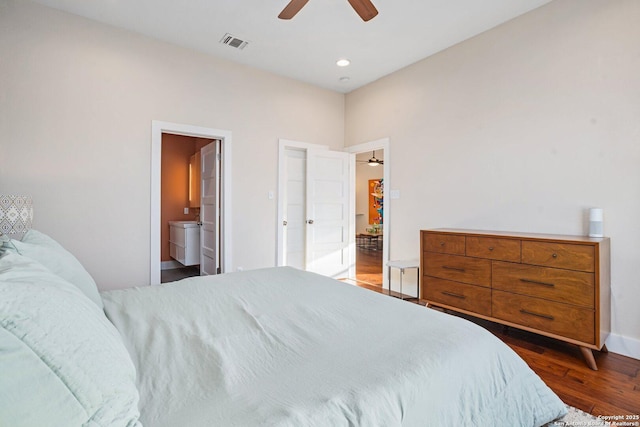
{"x": 184, "y": 242}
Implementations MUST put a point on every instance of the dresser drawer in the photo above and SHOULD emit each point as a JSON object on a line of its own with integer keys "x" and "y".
{"x": 567, "y": 286}
{"x": 559, "y": 255}
{"x": 444, "y": 243}
{"x": 459, "y": 268}
{"x": 553, "y": 317}
{"x": 493, "y": 248}
{"x": 460, "y": 295}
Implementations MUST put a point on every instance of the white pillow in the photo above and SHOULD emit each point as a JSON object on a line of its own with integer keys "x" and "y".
{"x": 51, "y": 254}
{"x": 62, "y": 363}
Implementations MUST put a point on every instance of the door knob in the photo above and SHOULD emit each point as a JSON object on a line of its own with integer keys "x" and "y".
{"x": 309, "y": 221}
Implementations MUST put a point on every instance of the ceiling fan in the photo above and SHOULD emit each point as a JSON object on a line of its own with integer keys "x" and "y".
{"x": 373, "y": 161}
{"x": 364, "y": 8}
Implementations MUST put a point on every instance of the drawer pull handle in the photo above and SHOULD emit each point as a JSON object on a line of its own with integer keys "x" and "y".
{"x": 446, "y": 267}
{"x": 441, "y": 243}
{"x": 490, "y": 248}
{"x": 535, "y": 282}
{"x": 531, "y": 313}
{"x": 555, "y": 255}
{"x": 451, "y": 294}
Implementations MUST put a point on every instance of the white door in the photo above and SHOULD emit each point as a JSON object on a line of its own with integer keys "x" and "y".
{"x": 209, "y": 209}
{"x": 294, "y": 202}
{"x": 327, "y": 207}
{"x": 314, "y": 206}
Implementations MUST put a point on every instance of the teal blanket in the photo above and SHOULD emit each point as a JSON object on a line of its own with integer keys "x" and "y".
{"x": 282, "y": 347}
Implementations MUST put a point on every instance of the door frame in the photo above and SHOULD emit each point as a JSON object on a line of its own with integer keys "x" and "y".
{"x": 225, "y": 136}
{"x": 379, "y": 144}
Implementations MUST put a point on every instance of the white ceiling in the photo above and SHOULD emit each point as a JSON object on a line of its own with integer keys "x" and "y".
{"x": 306, "y": 48}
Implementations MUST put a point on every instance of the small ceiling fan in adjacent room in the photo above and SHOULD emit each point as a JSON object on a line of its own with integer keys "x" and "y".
{"x": 364, "y": 8}
{"x": 373, "y": 161}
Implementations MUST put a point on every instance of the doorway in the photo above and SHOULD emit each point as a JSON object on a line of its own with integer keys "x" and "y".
{"x": 223, "y": 210}
{"x": 369, "y": 231}
{"x": 190, "y": 202}
{"x": 371, "y": 248}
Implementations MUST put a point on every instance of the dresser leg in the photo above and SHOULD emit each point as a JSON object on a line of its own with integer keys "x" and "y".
{"x": 604, "y": 349}
{"x": 588, "y": 357}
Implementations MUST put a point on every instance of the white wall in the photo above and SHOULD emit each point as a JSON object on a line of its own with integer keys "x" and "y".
{"x": 77, "y": 99}
{"x": 521, "y": 128}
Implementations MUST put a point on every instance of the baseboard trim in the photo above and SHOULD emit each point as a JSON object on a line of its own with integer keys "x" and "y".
{"x": 625, "y": 346}
{"x": 170, "y": 265}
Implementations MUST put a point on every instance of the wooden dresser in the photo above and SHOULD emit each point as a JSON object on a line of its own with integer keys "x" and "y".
{"x": 558, "y": 286}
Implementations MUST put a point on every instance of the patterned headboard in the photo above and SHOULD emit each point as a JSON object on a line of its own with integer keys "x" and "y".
{"x": 16, "y": 215}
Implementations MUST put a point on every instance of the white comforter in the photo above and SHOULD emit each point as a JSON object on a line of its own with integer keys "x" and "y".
{"x": 282, "y": 347}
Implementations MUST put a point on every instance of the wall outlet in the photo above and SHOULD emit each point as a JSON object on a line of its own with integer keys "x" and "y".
{"x": 186, "y": 211}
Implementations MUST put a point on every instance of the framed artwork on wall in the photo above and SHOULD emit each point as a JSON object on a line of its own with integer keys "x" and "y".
{"x": 376, "y": 201}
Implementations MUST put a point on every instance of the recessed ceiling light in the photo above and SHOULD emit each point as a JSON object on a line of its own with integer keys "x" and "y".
{"x": 343, "y": 62}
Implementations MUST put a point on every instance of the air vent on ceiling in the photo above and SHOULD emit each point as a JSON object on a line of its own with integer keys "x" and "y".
{"x": 233, "y": 41}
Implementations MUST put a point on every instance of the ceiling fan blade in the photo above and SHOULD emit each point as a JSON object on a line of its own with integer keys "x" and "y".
{"x": 364, "y": 8}
{"x": 292, "y": 8}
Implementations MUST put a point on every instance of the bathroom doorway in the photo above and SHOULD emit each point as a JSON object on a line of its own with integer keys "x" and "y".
{"x": 217, "y": 219}
{"x": 180, "y": 207}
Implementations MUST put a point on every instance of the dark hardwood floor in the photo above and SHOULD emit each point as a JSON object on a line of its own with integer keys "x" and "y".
{"x": 614, "y": 389}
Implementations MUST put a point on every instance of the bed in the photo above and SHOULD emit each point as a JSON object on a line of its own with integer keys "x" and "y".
{"x": 268, "y": 347}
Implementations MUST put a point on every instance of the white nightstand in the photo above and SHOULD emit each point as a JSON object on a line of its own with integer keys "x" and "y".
{"x": 403, "y": 265}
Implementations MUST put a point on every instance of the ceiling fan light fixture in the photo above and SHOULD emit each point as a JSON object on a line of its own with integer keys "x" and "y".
{"x": 373, "y": 161}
